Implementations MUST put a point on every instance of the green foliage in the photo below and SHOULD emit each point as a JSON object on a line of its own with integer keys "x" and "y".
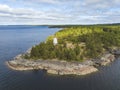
{"x": 87, "y": 42}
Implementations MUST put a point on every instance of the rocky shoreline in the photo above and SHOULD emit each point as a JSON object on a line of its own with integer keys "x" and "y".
{"x": 53, "y": 66}
{"x": 60, "y": 67}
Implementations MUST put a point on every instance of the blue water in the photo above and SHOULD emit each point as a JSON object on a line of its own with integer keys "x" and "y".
{"x": 17, "y": 39}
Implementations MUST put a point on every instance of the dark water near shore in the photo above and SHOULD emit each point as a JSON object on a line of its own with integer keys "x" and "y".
{"x": 17, "y": 39}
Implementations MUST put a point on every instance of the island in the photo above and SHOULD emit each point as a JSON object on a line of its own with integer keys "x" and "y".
{"x": 79, "y": 50}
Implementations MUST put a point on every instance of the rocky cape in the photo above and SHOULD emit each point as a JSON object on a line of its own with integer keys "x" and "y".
{"x": 61, "y": 67}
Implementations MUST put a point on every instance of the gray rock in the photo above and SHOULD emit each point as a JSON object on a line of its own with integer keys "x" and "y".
{"x": 61, "y": 67}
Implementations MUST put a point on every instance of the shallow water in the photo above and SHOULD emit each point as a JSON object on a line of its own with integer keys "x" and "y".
{"x": 17, "y": 39}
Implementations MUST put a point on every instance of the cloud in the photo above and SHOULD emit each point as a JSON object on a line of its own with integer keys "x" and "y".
{"x": 45, "y": 1}
{"x": 4, "y": 8}
{"x": 19, "y": 12}
{"x": 26, "y": 15}
{"x": 48, "y": 1}
{"x": 60, "y": 11}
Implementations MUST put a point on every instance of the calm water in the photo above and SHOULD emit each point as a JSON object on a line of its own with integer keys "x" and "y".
{"x": 17, "y": 39}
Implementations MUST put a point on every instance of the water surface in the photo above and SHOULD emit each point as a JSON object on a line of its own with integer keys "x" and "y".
{"x": 17, "y": 39}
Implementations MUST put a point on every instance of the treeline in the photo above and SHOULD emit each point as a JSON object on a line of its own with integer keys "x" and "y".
{"x": 78, "y": 43}
{"x": 61, "y": 52}
{"x": 67, "y": 26}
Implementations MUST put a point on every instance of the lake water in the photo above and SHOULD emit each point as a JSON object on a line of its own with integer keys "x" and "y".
{"x": 17, "y": 39}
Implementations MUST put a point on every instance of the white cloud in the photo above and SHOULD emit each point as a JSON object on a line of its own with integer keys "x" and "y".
{"x": 61, "y": 11}
{"x": 44, "y": 1}
{"x": 18, "y": 12}
{"x": 48, "y": 1}
{"x": 27, "y": 14}
{"x": 5, "y": 8}
{"x": 92, "y": 1}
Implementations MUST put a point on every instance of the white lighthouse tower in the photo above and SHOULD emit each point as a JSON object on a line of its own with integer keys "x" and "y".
{"x": 55, "y": 41}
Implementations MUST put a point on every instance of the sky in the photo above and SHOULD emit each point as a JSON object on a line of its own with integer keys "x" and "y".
{"x": 52, "y": 12}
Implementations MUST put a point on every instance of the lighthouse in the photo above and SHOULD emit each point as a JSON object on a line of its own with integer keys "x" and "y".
{"x": 55, "y": 41}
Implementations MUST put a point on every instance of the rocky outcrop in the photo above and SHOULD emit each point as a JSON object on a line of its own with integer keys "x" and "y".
{"x": 52, "y": 66}
{"x": 116, "y": 52}
{"x": 104, "y": 60}
{"x": 61, "y": 67}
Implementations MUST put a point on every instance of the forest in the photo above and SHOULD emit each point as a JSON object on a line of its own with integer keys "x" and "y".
{"x": 78, "y": 43}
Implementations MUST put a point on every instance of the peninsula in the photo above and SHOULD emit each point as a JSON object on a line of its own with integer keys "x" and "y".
{"x": 79, "y": 50}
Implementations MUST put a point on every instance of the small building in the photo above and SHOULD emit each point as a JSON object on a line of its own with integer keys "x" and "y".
{"x": 55, "y": 41}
